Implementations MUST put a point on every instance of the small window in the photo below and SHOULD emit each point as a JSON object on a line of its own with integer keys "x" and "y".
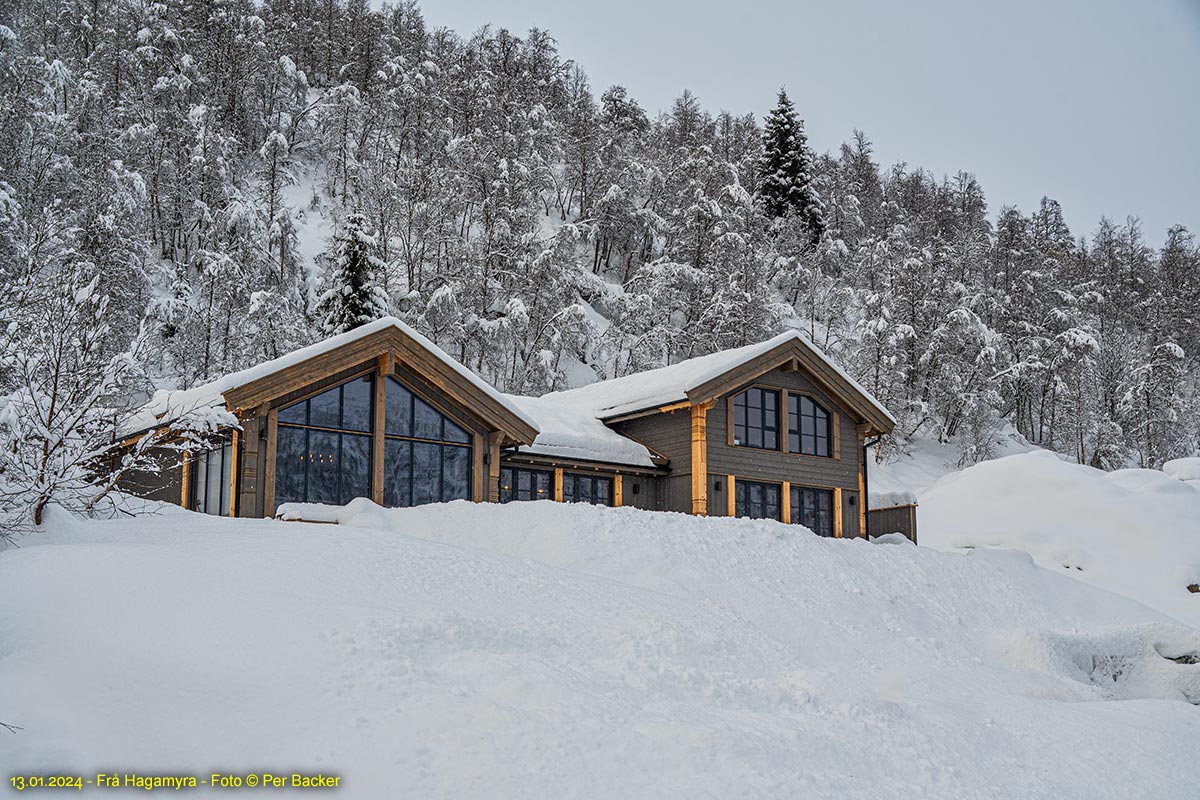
{"x": 813, "y": 508}
{"x": 757, "y": 500}
{"x": 809, "y": 429}
{"x": 524, "y": 484}
{"x": 587, "y": 489}
{"x": 756, "y": 419}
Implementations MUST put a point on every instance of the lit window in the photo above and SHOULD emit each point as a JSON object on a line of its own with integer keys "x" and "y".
{"x": 524, "y": 484}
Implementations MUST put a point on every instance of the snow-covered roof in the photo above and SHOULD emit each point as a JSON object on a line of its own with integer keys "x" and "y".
{"x": 666, "y": 385}
{"x": 170, "y": 405}
{"x": 570, "y": 430}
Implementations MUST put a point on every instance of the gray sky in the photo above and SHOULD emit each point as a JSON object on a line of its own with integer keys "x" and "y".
{"x": 1093, "y": 102}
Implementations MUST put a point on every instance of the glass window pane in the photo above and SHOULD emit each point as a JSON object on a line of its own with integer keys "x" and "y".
{"x": 524, "y": 484}
{"x": 356, "y": 405}
{"x": 453, "y": 433}
{"x": 543, "y": 486}
{"x": 200, "y": 496}
{"x": 506, "y": 485}
{"x": 323, "y": 410}
{"x": 427, "y": 423}
{"x": 603, "y": 491}
{"x": 456, "y": 473}
{"x": 291, "y": 464}
{"x": 218, "y": 466}
{"x": 355, "y": 467}
{"x": 427, "y": 473}
{"x": 397, "y": 472}
{"x": 323, "y": 467}
{"x": 296, "y": 414}
{"x": 397, "y": 409}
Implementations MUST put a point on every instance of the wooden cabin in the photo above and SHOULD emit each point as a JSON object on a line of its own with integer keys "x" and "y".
{"x": 771, "y": 430}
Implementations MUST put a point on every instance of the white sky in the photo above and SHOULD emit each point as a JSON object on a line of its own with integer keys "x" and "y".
{"x": 1093, "y": 102}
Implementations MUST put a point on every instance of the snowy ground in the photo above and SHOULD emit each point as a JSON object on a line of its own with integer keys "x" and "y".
{"x": 547, "y": 650}
{"x": 1133, "y": 531}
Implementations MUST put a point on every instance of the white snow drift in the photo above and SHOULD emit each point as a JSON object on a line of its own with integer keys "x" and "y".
{"x": 550, "y": 650}
{"x": 1133, "y": 531}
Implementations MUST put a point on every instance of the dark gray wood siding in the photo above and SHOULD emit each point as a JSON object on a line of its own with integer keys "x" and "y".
{"x": 642, "y": 492}
{"x": 165, "y": 486}
{"x": 777, "y": 466}
{"x": 668, "y": 434}
{"x": 896, "y": 519}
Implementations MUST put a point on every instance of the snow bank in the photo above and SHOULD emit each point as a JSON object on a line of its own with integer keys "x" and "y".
{"x": 889, "y": 499}
{"x": 1183, "y": 469}
{"x": 554, "y": 650}
{"x": 1133, "y": 531}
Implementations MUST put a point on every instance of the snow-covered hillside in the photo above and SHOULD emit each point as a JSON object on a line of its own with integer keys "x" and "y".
{"x": 1133, "y": 531}
{"x": 551, "y": 650}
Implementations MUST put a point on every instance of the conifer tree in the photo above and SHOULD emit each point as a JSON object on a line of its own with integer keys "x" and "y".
{"x": 786, "y": 172}
{"x": 352, "y": 297}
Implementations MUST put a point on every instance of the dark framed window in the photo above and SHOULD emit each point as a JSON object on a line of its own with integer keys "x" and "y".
{"x": 525, "y": 484}
{"x": 757, "y": 500}
{"x": 756, "y": 418}
{"x": 809, "y": 428}
{"x": 426, "y": 455}
{"x": 210, "y": 473}
{"x": 323, "y": 446}
{"x": 813, "y": 508}
{"x": 592, "y": 489}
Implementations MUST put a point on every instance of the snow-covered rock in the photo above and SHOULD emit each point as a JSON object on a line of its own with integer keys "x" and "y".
{"x": 551, "y": 650}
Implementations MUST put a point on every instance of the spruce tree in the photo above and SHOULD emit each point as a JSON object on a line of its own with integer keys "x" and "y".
{"x": 786, "y": 172}
{"x": 352, "y": 297}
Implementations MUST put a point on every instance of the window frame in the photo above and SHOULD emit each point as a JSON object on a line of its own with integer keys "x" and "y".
{"x": 761, "y": 409}
{"x": 412, "y": 440}
{"x": 572, "y": 479}
{"x": 796, "y": 495}
{"x": 784, "y": 431}
{"x": 746, "y": 487}
{"x": 514, "y": 481}
{"x": 371, "y": 377}
{"x": 798, "y": 431}
{"x": 225, "y": 458}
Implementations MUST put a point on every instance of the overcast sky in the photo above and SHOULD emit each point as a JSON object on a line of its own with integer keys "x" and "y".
{"x": 1093, "y": 102}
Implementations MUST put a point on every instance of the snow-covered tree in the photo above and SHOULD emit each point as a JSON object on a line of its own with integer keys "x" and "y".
{"x": 352, "y": 296}
{"x": 786, "y": 173}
